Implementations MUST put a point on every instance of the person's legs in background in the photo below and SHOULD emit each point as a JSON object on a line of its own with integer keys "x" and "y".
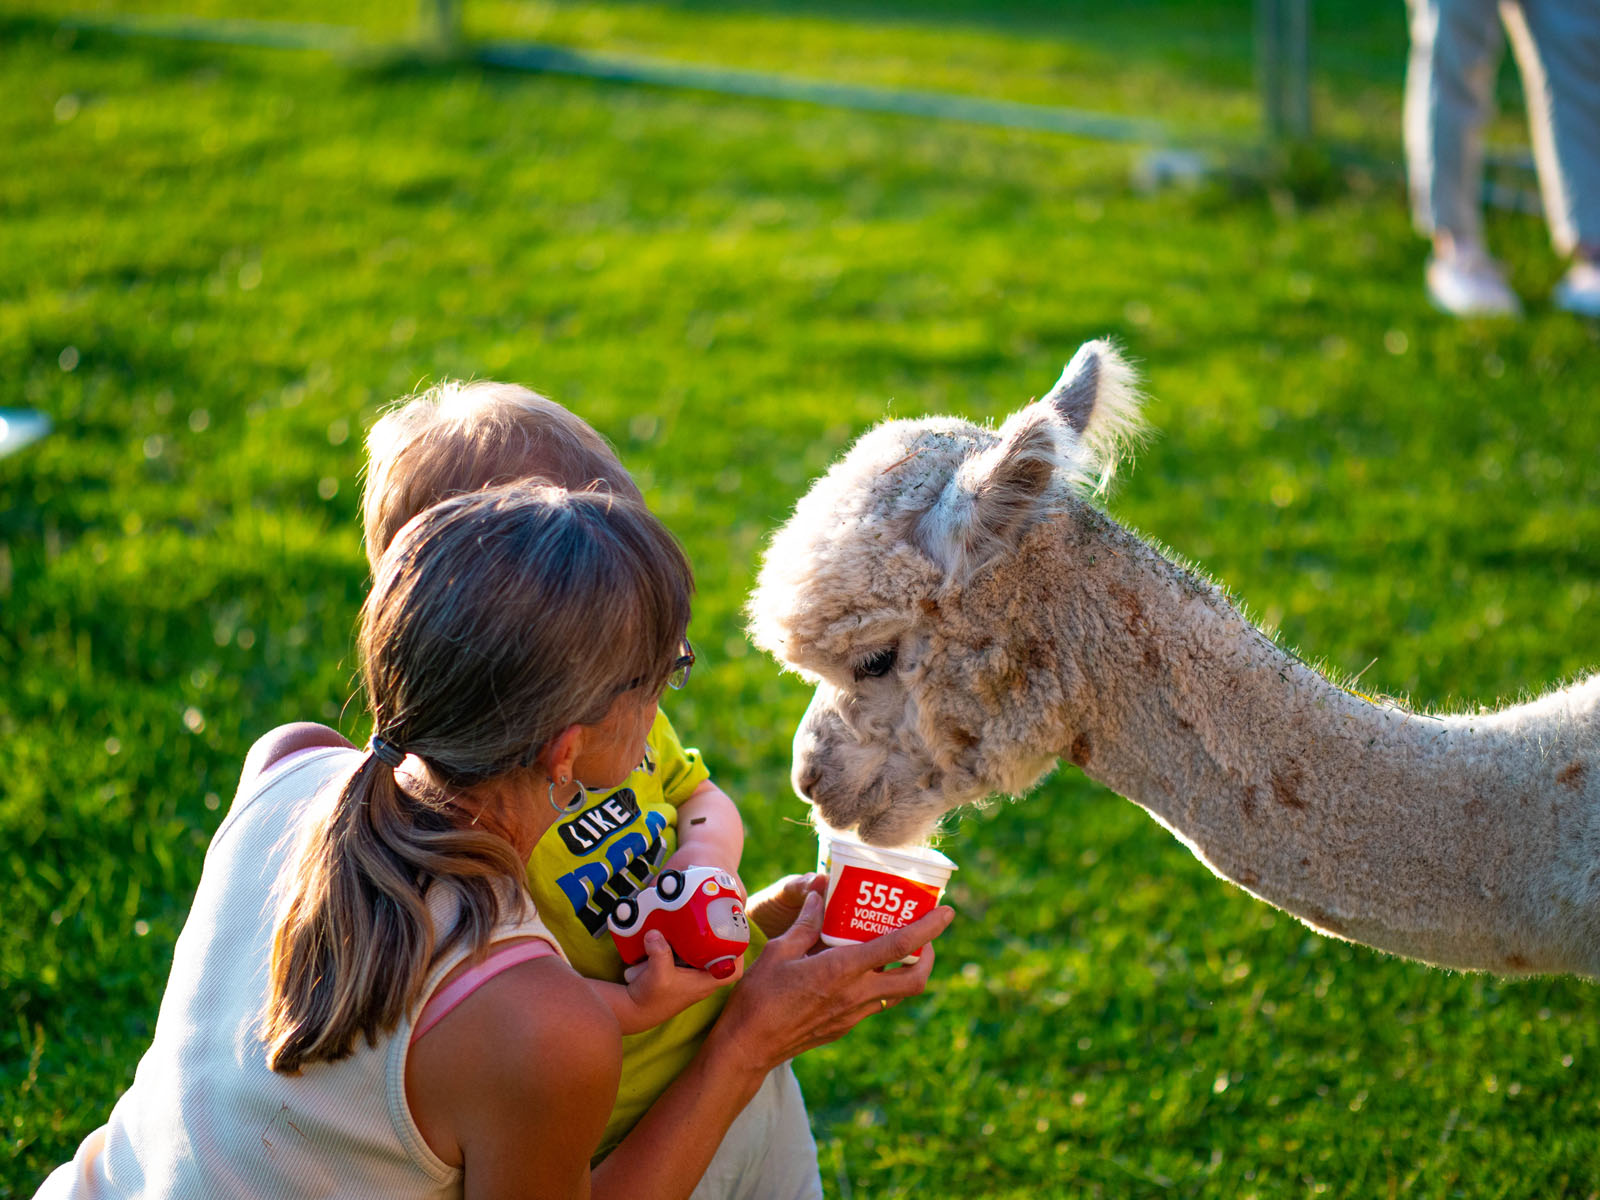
{"x": 1557, "y": 44}
{"x": 1455, "y": 51}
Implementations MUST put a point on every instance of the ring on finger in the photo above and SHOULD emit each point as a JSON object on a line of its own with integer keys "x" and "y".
{"x": 883, "y": 1005}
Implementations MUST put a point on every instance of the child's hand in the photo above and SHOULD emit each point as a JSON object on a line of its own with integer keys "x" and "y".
{"x": 775, "y": 907}
{"x": 660, "y": 988}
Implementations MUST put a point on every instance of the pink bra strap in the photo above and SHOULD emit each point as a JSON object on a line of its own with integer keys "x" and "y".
{"x": 444, "y": 1001}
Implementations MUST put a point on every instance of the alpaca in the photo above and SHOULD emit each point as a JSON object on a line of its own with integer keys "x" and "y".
{"x": 968, "y": 617}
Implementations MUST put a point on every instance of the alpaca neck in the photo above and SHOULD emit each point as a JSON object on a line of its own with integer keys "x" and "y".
{"x": 1468, "y": 842}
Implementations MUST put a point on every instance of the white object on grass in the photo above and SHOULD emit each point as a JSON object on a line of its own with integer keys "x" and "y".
{"x": 20, "y": 427}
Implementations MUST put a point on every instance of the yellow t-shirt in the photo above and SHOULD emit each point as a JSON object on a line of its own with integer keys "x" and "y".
{"x": 604, "y": 852}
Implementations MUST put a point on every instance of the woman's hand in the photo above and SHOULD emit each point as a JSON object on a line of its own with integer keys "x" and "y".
{"x": 793, "y": 1000}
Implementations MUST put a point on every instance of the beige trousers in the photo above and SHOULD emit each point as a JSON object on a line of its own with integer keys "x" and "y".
{"x": 768, "y": 1152}
{"x": 1456, "y": 46}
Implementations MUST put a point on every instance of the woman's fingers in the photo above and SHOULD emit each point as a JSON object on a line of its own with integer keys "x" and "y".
{"x": 911, "y": 980}
{"x": 803, "y": 933}
{"x": 872, "y": 1008}
{"x": 902, "y": 943}
{"x": 884, "y": 989}
{"x": 793, "y": 1001}
{"x": 873, "y": 994}
{"x": 840, "y": 964}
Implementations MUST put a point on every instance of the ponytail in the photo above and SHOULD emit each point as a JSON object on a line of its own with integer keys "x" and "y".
{"x": 355, "y": 937}
{"x": 496, "y": 620}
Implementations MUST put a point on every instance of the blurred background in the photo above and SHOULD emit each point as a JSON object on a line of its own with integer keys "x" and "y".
{"x": 732, "y": 236}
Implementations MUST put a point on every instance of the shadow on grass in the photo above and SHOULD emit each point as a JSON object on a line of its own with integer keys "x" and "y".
{"x": 159, "y": 56}
{"x": 1212, "y": 38}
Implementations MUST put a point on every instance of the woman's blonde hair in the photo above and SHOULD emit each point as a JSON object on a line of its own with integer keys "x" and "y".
{"x": 496, "y": 620}
{"x": 456, "y": 438}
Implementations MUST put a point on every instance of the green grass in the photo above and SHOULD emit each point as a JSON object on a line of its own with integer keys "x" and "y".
{"x": 215, "y": 265}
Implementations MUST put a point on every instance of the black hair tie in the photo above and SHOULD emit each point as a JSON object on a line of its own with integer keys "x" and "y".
{"x": 386, "y": 751}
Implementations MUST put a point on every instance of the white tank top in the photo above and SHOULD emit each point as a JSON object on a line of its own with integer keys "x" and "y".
{"x": 206, "y": 1117}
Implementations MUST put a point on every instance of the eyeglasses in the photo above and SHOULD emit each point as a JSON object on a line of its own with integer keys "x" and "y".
{"x": 677, "y": 677}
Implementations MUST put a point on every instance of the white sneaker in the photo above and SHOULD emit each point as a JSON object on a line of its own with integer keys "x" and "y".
{"x": 1579, "y": 291}
{"x": 1469, "y": 283}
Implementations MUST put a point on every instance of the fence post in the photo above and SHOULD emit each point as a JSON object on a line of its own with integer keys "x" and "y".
{"x": 1283, "y": 62}
{"x": 441, "y": 23}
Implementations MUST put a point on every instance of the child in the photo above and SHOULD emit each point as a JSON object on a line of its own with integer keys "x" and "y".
{"x": 459, "y": 438}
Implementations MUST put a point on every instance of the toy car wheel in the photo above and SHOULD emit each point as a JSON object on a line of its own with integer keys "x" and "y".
{"x": 625, "y": 913}
{"x": 669, "y": 885}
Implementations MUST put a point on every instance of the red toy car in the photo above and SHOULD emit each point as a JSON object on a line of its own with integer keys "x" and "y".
{"x": 700, "y": 913}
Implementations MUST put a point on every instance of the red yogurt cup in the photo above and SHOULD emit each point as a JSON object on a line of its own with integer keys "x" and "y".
{"x": 874, "y": 890}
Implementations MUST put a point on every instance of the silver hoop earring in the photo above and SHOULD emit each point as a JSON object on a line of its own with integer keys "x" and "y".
{"x": 572, "y": 805}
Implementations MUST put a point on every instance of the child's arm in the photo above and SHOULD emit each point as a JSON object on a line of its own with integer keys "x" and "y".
{"x": 657, "y": 988}
{"x": 710, "y": 831}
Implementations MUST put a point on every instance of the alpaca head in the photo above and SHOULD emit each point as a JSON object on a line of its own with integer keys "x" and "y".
{"x": 880, "y": 590}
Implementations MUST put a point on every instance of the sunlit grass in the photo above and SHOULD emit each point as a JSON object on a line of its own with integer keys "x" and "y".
{"x": 246, "y": 253}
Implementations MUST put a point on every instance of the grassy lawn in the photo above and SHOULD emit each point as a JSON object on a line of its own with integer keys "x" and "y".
{"x": 216, "y": 265}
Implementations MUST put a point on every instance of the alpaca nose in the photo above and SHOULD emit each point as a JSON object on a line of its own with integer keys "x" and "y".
{"x": 806, "y": 777}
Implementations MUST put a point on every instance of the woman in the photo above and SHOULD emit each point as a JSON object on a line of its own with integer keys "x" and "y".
{"x": 362, "y": 1001}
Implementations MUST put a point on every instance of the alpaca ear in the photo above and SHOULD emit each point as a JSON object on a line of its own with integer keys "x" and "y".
{"x": 1098, "y": 396}
{"x": 993, "y": 496}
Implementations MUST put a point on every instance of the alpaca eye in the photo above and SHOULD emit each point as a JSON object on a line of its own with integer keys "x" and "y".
{"x": 875, "y": 665}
